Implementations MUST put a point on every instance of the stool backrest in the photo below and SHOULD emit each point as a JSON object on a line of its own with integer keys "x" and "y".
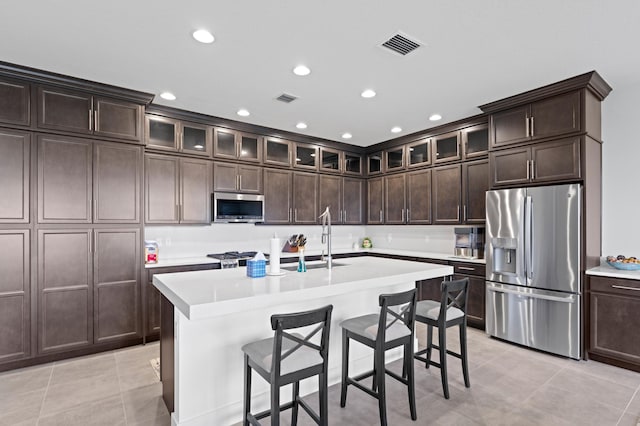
{"x": 282, "y": 322}
{"x": 454, "y": 295}
{"x": 406, "y": 301}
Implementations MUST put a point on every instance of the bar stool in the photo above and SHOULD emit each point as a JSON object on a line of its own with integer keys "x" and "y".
{"x": 288, "y": 358}
{"x": 449, "y": 312}
{"x": 383, "y": 331}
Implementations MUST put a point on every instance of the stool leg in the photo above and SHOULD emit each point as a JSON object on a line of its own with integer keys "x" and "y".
{"x": 429, "y": 345}
{"x": 247, "y": 391}
{"x": 379, "y": 357}
{"x": 442, "y": 341}
{"x": 345, "y": 368}
{"x": 275, "y": 403}
{"x": 374, "y": 378}
{"x": 294, "y": 409}
{"x": 463, "y": 354}
{"x": 324, "y": 400}
{"x": 408, "y": 365}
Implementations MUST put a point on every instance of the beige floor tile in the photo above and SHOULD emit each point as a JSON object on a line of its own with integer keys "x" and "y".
{"x": 71, "y": 394}
{"x": 634, "y": 406}
{"x": 20, "y": 407}
{"x": 108, "y": 412}
{"x": 133, "y": 378}
{"x": 629, "y": 420}
{"x": 158, "y": 421}
{"x": 608, "y": 372}
{"x": 25, "y": 379}
{"x": 137, "y": 353}
{"x": 144, "y": 403}
{"x": 83, "y": 368}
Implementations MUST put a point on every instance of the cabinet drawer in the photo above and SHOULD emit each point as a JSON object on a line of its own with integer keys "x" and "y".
{"x": 615, "y": 286}
{"x": 468, "y": 268}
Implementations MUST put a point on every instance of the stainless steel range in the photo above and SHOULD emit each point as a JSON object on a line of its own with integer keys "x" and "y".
{"x": 233, "y": 259}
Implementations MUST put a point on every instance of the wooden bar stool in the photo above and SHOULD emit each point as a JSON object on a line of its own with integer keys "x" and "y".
{"x": 383, "y": 331}
{"x": 288, "y": 358}
{"x": 449, "y": 312}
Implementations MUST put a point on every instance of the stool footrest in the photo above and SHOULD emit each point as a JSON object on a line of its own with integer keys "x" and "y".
{"x": 362, "y": 387}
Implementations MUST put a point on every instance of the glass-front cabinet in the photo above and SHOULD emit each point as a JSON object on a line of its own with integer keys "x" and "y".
{"x": 374, "y": 163}
{"x": 352, "y": 163}
{"x": 475, "y": 141}
{"x": 306, "y": 156}
{"x": 419, "y": 153}
{"x": 250, "y": 147}
{"x": 330, "y": 160}
{"x": 195, "y": 139}
{"x": 446, "y": 147}
{"x": 236, "y": 145}
{"x": 162, "y": 133}
{"x": 277, "y": 151}
{"x": 167, "y": 134}
{"x": 394, "y": 159}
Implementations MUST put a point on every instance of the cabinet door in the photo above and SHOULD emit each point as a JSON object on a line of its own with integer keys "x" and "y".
{"x": 116, "y": 294}
{"x": 353, "y": 201}
{"x": 15, "y": 149}
{"x": 555, "y": 161}
{"x": 277, "y": 196}
{"x": 330, "y": 195}
{"x": 446, "y": 147}
{"x": 15, "y": 102}
{"x": 475, "y": 184}
{"x": 65, "y": 291}
{"x": 555, "y": 116}
{"x": 195, "y": 191}
{"x": 430, "y": 289}
{"x": 195, "y": 139}
{"x": 447, "y": 194}
{"x": 117, "y": 119}
{"x": 419, "y": 197}
{"x": 15, "y": 295}
{"x": 375, "y": 197}
{"x": 419, "y": 153}
{"x": 394, "y": 159}
{"x": 475, "y": 141}
{"x": 374, "y": 164}
{"x": 330, "y": 160}
{"x": 152, "y": 296}
{"x": 225, "y": 144}
{"x": 510, "y": 167}
{"x": 305, "y": 198}
{"x": 475, "y": 300}
{"x": 510, "y": 126}
{"x": 162, "y": 189}
{"x": 277, "y": 151}
{"x": 394, "y": 207}
{"x": 352, "y": 163}
{"x": 306, "y": 156}
{"x": 64, "y": 180}
{"x": 116, "y": 183}
{"x": 162, "y": 133}
{"x": 250, "y": 179}
{"x": 64, "y": 110}
{"x": 225, "y": 177}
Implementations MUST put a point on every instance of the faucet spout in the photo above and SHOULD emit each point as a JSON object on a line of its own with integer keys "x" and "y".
{"x": 326, "y": 234}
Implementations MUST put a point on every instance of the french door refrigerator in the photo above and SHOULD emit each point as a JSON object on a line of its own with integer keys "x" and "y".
{"x": 533, "y": 267}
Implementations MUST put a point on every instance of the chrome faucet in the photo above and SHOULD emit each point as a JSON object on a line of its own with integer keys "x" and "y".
{"x": 326, "y": 235}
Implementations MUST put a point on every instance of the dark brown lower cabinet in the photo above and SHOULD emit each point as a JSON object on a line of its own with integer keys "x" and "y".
{"x": 15, "y": 295}
{"x": 614, "y": 304}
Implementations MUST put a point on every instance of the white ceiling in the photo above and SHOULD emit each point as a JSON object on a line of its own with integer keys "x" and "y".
{"x": 476, "y": 51}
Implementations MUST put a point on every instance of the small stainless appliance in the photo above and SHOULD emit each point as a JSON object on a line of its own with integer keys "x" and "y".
{"x": 237, "y": 208}
{"x": 469, "y": 242}
{"x": 533, "y": 267}
{"x": 233, "y": 259}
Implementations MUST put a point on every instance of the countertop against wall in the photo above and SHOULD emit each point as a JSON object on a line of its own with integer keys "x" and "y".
{"x": 605, "y": 270}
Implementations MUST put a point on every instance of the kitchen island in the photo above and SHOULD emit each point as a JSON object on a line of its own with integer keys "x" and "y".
{"x": 208, "y": 315}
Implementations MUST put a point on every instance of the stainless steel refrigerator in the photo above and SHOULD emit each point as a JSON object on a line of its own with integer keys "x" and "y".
{"x": 533, "y": 267}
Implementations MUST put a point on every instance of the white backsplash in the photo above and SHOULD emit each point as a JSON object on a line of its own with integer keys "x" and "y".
{"x": 427, "y": 238}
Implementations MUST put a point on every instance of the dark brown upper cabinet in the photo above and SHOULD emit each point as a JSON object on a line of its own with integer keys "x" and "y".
{"x": 447, "y": 201}
{"x": 446, "y": 147}
{"x": 475, "y": 183}
{"x": 330, "y": 160}
{"x": 277, "y": 196}
{"x": 475, "y": 141}
{"x": 330, "y": 194}
{"x": 394, "y": 199}
{"x": 15, "y": 151}
{"x": 555, "y": 116}
{"x": 78, "y": 112}
{"x": 418, "y": 198}
{"x": 352, "y": 201}
{"x": 343, "y": 196}
{"x": 352, "y": 164}
{"x": 168, "y": 134}
{"x": 277, "y": 152}
{"x": 237, "y": 145}
{"x": 375, "y": 198}
{"x": 394, "y": 159}
{"x": 228, "y": 177}
{"x": 419, "y": 153}
{"x": 554, "y": 161}
{"x": 15, "y": 102}
{"x": 306, "y": 156}
{"x": 374, "y": 164}
{"x": 305, "y": 198}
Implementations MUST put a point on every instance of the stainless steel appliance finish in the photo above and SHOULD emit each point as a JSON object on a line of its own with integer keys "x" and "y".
{"x": 469, "y": 242}
{"x": 237, "y": 208}
{"x": 533, "y": 267}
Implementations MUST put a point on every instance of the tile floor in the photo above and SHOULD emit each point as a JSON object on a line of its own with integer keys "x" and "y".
{"x": 509, "y": 386}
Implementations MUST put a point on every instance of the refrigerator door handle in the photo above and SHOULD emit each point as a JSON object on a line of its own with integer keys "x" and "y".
{"x": 568, "y": 299}
{"x": 528, "y": 236}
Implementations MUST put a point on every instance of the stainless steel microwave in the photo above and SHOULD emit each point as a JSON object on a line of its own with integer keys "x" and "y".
{"x": 237, "y": 208}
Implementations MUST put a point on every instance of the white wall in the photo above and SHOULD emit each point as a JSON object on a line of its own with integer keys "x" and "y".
{"x": 621, "y": 171}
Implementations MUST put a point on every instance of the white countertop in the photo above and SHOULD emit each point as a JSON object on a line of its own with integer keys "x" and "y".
{"x": 610, "y": 271}
{"x": 203, "y": 294}
{"x": 201, "y": 260}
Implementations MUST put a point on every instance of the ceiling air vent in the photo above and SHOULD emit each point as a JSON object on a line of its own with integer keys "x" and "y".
{"x": 286, "y": 98}
{"x": 401, "y": 44}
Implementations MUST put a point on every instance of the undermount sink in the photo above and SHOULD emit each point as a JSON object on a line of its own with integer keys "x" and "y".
{"x": 294, "y": 266}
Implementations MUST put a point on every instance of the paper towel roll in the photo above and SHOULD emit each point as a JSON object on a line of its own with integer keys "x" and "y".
{"x": 274, "y": 256}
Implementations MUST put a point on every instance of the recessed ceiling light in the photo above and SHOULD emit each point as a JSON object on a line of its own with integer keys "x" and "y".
{"x": 203, "y": 36}
{"x": 301, "y": 70}
{"x": 243, "y": 113}
{"x": 168, "y": 96}
{"x": 347, "y": 136}
{"x": 368, "y": 93}
{"x": 435, "y": 117}
{"x": 301, "y": 125}
{"x": 396, "y": 129}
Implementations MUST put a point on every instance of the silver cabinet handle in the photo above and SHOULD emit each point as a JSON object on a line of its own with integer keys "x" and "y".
{"x": 176, "y": 211}
{"x": 458, "y": 218}
{"x": 95, "y": 208}
{"x": 380, "y": 216}
{"x": 528, "y": 170}
{"x": 240, "y": 182}
{"x": 95, "y": 119}
{"x": 290, "y": 213}
{"x": 531, "y": 126}
{"x": 89, "y": 243}
{"x": 295, "y": 215}
{"x": 527, "y": 128}
{"x": 466, "y": 268}
{"x": 408, "y": 216}
{"x": 402, "y": 216}
{"x": 464, "y": 212}
{"x": 624, "y": 287}
{"x": 90, "y": 120}
{"x": 95, "y": 241}
{"x": 533, "y": 170}
{"x": 345, "y": 215}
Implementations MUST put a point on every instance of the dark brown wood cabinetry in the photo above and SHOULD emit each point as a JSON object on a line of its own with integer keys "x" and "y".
{"x": 352, "y": 201}
{"x": 237, "y": 145}
{"x": 343, "y": 196}
{"x": 195, "y": 191}
{"x": 168, "y": 134}
{"x": 15, "y": 295}
{"x": 375, "y": 195}
{"x": 418, "y": 197}
{"x": 475, "y": 141}
{"x": 15, "y": 168}
{"x": 305, "y": 156}
{"x": 475, "y": 183}
{"x": 446, "y": 147}
{"x": 447, "y": 195}
{"x": 394, "y": 199}
{"x": 15, "y": 102}
{"x": 277, "y": 152}
{"x": 305, "y": 198}
{"x": 614, "y": 304}
{"x": 229, "y": 177}
{"x": 277, "y": 196}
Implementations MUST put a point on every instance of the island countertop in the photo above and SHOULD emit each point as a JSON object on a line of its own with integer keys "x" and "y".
{"x": 204, "y": 294}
